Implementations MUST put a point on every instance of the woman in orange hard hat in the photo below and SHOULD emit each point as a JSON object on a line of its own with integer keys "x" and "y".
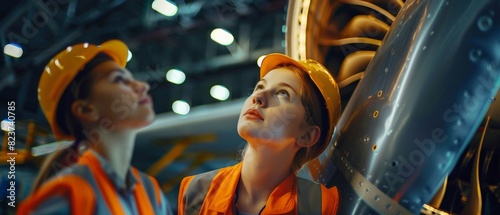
{"x": 287, "y": 121}
{"x": 87, "y": 95}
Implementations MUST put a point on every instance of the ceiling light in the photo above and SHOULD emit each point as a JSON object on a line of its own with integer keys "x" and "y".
{"x": 164, "y": 7}
{"x": 222, "y": 36}
{"x": 129, "y": 56}
{"x": 219, "y": 92}
{"x": 176, "y": 76}
{"x": 180, "y": 107}
{"x": 7, "y": 125}
{"x": 260, "y": 59}
{"x": 13, "y": 50}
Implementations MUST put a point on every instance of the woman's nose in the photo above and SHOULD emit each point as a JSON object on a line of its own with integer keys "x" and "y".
{"x": 141, "y": 87}
{"x": 258, "y": 98}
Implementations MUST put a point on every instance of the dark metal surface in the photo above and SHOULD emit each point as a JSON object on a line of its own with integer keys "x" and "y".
{"x": 422, "y": 99}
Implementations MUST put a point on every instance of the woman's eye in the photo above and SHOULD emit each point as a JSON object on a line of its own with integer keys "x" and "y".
{"x": 283, "y": 93}
{"x": 120, "y": 79}
{"x": 258, "y": 87}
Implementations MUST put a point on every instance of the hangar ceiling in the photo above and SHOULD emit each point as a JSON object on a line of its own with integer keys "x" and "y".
{"x": 158, "y": 43}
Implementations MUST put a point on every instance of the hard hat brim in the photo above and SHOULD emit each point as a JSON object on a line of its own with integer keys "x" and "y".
{"x": 271, "y": 61}
{"x": 117, "y": 50}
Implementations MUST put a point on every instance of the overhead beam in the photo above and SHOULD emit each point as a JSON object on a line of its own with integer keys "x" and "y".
{"x": 57, "y": 46}
{"x": 244, "y": 50}
{"x": 206, "y": 65}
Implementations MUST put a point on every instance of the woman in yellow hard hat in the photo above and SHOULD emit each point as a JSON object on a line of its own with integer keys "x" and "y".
{"x": 88, "y": 96}
{"x": 287, "y": 121}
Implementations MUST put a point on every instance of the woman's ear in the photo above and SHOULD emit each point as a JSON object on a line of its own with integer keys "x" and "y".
{"x": 310, "y": 137}
{"x": 84, "y": 111}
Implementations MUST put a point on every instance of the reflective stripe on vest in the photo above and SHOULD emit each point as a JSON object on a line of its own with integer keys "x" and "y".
{"x": 85, "y": 195}
{"x": 308, "y": 196}
{"x": 109, "y": 193}
{"x": 73, "y": 187}
{"x": 197, "y": 190}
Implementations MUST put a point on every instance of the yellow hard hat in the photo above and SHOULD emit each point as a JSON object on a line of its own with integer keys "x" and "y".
{"x": 322, "y": 79}
{"x": 63, "y": 68}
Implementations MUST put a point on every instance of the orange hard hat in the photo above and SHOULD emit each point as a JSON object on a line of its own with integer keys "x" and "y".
{"x": 323, "y": 80}
{"x": 63, "y": 68}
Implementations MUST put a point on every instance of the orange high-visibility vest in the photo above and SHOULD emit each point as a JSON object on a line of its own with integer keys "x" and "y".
{"x": 214, "y": 193}
{"x": 81, "y": 190}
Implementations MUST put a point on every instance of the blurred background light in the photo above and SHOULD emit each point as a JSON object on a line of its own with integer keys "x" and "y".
{"x": 181, "y": 107}
{"x": 164, "y": 7}
{"x": 222, "y": 36}
{"x": 219, "y": 92}
{"x": 260, "y": 59}
{"x": 7, "y": 125}
{"x": 176, "y": 76}
{"x": 13, "y": 50}
{"x": 129, "y": 56}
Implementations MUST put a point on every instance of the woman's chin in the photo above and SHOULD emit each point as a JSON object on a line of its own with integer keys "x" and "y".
{"x": 146, "y": 122}
{"x": 135, "y": 124}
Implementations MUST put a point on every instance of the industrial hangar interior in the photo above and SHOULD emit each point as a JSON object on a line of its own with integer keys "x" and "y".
{"x": 186, "y": 68}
